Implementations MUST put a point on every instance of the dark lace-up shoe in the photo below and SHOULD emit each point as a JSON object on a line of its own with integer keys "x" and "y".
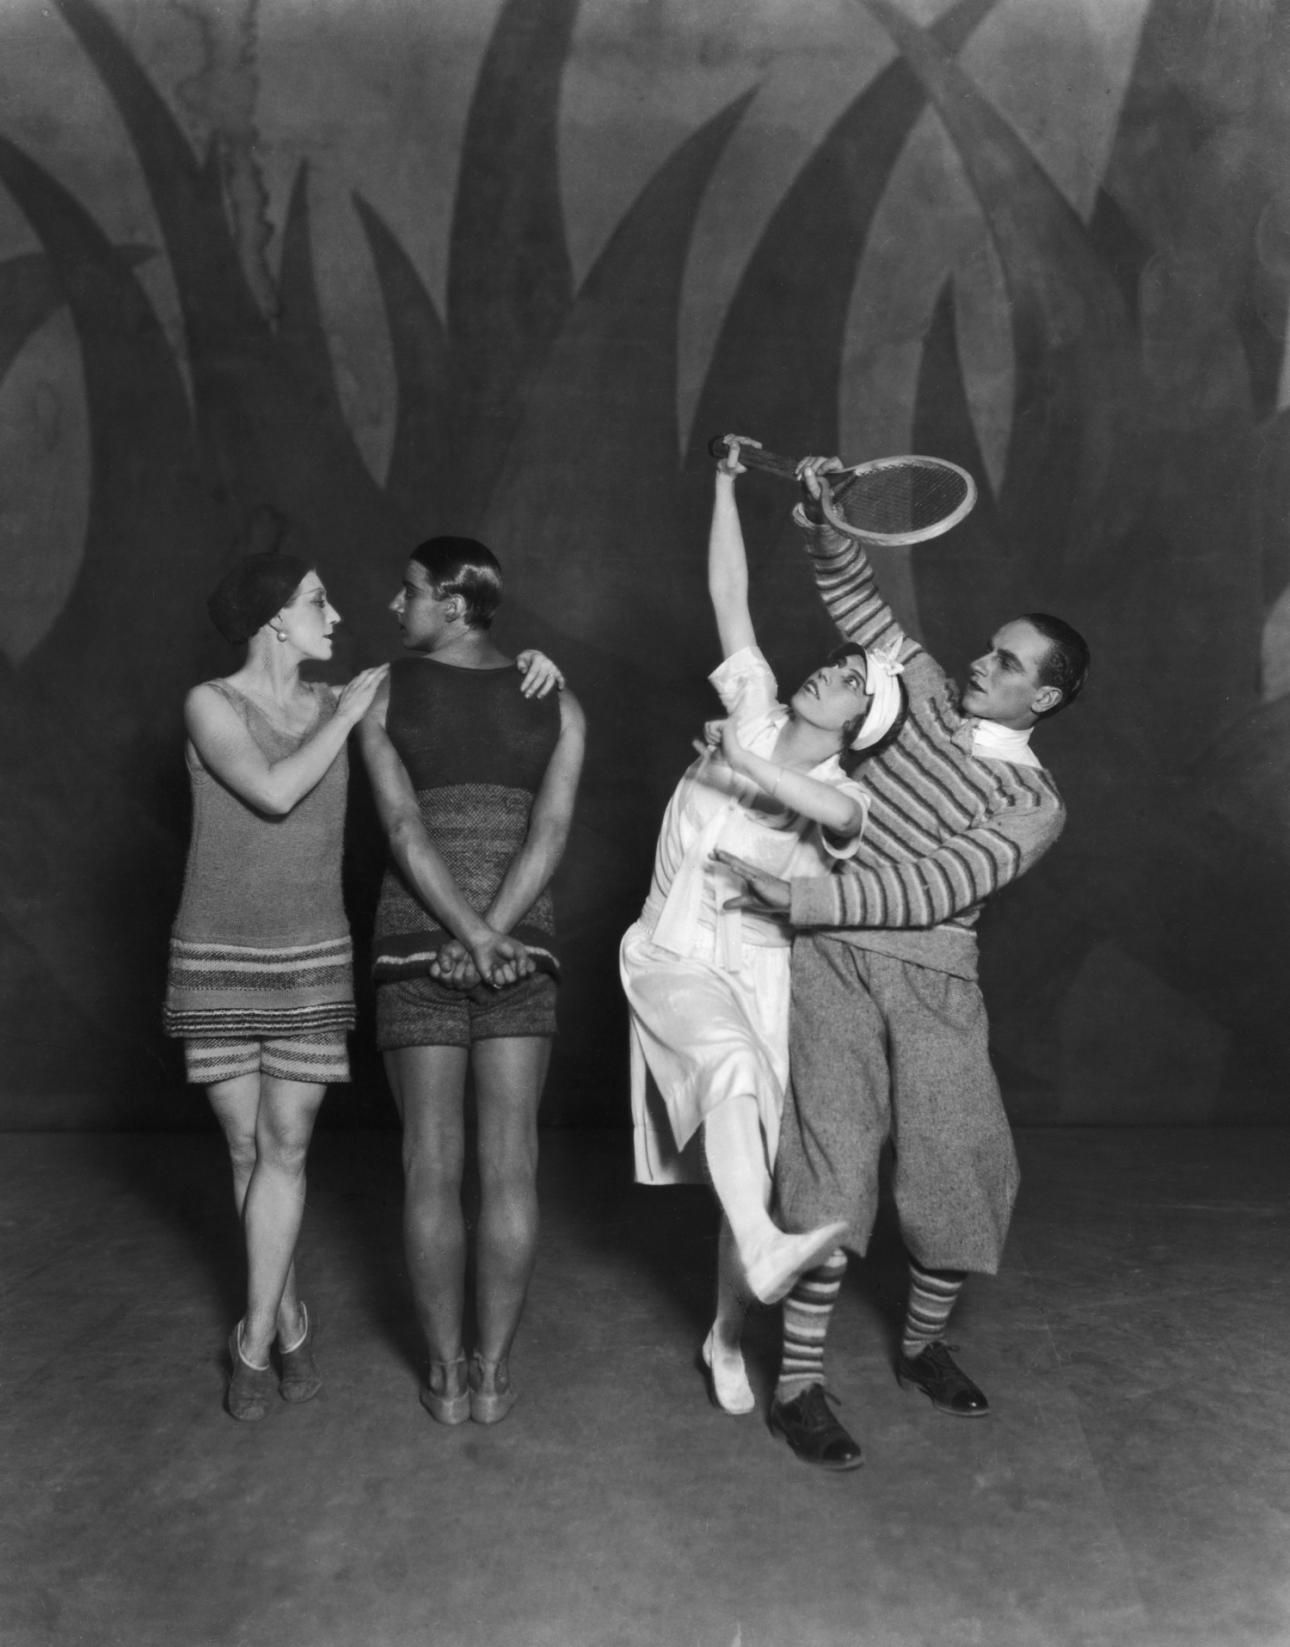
{"x": 935, "y": 1372}
{"x": 813, "y": 1432}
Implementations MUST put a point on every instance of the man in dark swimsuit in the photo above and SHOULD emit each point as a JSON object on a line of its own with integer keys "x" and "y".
{"x": 475, "y": 778}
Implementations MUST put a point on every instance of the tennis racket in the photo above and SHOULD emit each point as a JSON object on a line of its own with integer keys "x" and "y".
{"x": 892, "y": 500}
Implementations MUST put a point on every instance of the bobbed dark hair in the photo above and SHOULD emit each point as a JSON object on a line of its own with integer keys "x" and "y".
{"x": 852, "y": 759}
{"x": 274, "y": 562}
{"x": 462, "y": 566}
{"x": 1067, "y": 662}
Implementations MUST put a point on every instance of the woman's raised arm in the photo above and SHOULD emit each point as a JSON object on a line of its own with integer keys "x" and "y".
{"x": 824, "y": 803}
{"x": 727, "y": 558}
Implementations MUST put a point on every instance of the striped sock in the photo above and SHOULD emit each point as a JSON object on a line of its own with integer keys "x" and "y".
{"x": 932, "y": 1294}
{"x": 806, "y": 1323}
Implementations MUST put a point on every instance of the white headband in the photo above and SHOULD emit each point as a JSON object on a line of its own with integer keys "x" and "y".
{"x": 881, "y": 671}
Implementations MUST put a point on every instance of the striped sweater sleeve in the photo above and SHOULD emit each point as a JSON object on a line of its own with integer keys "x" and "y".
{"x": 848, "y": 587}
{"x": 923, "y": 892}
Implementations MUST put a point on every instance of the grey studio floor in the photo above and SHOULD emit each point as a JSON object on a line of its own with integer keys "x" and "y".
{"x": 1132, "y": 1486}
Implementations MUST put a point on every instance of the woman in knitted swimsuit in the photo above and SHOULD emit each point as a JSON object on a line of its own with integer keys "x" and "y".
{"x": 260, "y": 984}
{"x": 707, "y": 982}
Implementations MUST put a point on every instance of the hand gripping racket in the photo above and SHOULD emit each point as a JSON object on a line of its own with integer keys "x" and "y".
{"x": 892, "y": 500}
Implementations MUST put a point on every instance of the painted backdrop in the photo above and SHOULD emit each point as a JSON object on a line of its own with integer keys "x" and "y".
{"x": 396, "y": 268}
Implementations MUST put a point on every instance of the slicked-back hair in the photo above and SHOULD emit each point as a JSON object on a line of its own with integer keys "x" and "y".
{"x": 462, "y": 566}
{"x": 1066, "y": 665}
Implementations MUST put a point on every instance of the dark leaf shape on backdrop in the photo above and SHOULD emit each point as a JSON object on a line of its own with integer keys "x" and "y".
{"x": 510, "y": 281}
{"x": 418, "y": 479}
{"x": 30, "y": 295}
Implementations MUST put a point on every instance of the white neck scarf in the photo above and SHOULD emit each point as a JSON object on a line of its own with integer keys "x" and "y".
{"x": 1003, "y": 743}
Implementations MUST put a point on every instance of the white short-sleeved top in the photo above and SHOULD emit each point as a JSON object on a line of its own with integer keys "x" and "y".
{"x": 713, "y": 807}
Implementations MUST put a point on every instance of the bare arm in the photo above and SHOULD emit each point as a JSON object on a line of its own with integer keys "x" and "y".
{"x": 824, "y": 803}
{"x": 539, "y": 855}
{"x": 229, "y": 751}
{"x": 497, "y": 958}
{"x": 728, "y": 559}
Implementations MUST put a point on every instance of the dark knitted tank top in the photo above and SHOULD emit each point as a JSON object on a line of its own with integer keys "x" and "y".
{"x": 476, "y": 751}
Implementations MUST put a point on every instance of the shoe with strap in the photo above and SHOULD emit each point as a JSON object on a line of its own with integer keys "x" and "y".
{"x": 941, "y": 1379}
{"x": 445, "y": 1394}
{"x": 815, "y": 1435}
{"x": 252, "y": 1390}
{"x": 727, "y": 1376}
{"x": 492, "y": 1395}
{"x": 300, "y": 1378}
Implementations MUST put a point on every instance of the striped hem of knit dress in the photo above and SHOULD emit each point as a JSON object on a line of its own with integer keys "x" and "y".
{"x": 232, "y": 992}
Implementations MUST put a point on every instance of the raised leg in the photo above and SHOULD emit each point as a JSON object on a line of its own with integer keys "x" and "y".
{"x": 736, "y": 1157}
{"x": 735, "y": 1152}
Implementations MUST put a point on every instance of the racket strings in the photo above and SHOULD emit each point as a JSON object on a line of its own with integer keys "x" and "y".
{"x": 907, "y": 495}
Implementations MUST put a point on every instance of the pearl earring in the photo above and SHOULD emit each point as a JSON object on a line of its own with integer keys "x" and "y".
{"x": 281, "y": 634}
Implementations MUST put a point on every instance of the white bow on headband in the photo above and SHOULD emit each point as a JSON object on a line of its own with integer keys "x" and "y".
{"x": 882, "y": 670}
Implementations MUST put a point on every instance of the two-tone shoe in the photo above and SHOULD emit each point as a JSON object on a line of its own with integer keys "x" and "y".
{"x": 808, "y": 1425}
{"x": 935, "y": 1372}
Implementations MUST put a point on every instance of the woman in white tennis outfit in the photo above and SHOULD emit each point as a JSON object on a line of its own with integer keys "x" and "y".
{"x": 708, "y": 984}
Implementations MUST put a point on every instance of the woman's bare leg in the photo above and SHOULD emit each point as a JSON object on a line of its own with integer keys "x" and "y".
{"x": 735, "y": 1152}
{"x": 722, "y": 1351}
{"x": 736, "y": 1156}
{"x": 267, "y": 1125}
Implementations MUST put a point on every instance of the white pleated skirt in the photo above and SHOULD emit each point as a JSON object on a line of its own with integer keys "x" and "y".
{"x": 700, "y": 1034}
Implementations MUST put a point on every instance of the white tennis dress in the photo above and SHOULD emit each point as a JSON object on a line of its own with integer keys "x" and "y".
{"x": 708, "y": 988}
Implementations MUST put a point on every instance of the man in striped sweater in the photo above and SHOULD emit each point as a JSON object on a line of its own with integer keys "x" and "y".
{"x": 889, "y": 1032}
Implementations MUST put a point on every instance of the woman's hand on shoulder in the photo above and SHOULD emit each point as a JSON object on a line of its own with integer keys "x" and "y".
{"x": 358, "y": 695}
{"x": 539, "y": 672}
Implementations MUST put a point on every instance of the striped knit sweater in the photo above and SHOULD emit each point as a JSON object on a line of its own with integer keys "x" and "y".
{"x": 947, "y": 828}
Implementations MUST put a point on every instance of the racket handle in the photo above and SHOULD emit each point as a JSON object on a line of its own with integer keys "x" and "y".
{"x": 752, "y": 457}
